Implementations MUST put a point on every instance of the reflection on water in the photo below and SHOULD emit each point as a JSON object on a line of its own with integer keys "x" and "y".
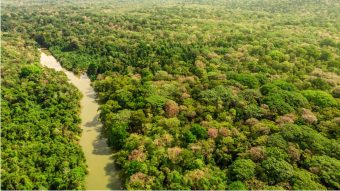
{"x": 102, "y": 172}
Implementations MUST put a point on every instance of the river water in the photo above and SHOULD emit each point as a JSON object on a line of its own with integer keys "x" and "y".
{"x": 102, "y": 173}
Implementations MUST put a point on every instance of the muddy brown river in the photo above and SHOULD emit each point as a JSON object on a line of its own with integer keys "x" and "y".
{"x": 102, "y": 173}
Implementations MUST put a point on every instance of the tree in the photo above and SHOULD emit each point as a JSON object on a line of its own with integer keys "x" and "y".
{"x": 40, "y": 122}
{"x": 156, "y": 101}
{"x": 171, "y": 108}
{"x": 134, "y": 166}
{"x": 189, "y": 137}
{"x": 308, "y": 138}
{"x": 319, "y": 98}
{"x": 327, "y": 168}
{"x": 319, "y": 83}
{"x": 276, "y": 153}
{"x": 118, "y": 134}
{"x": 277, "y": 103}
{"x": 207, "y": 178}
{"x": 336, "y": 92}
{"x": 243, "y": 169}
{"x": 199, "y": 131}
{"x": 30, "y": 71}
{"x": 283, "y": 102}
{"x": 303, "y": 179}
{"x": 92, "y": 69}
{"x": 277, "y": 55}
{"x": 252, "y": 111}
{"x": 140, "y": 181}
{"x": 182, "y": 98}
{"x": 277, "y": 170}
{"x": 137, "y": 121}
{"x": 246, "y": 79}
{"x": 237, "y": 185}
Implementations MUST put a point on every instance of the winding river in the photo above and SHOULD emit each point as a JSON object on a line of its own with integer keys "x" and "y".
{"x": 102, "y": 173}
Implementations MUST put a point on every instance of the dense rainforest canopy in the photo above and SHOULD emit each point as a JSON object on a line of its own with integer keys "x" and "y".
{"x": 194, "y": 94}
{"x": 39, "y": 122}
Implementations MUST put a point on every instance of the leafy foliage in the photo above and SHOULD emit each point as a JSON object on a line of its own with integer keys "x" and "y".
{"x": 201, "y": 95}
{"x": 39, "y": 123}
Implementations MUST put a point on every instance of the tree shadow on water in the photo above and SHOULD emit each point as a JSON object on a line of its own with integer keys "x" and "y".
{"x": 91, "y": 94}
{"x": 115, "y": 182}
{"x": 94, "y": 123}
{"x": 100, "y": 147}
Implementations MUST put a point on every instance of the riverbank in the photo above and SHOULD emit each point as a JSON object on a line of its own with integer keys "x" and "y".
{"x": 102, "y": 173}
